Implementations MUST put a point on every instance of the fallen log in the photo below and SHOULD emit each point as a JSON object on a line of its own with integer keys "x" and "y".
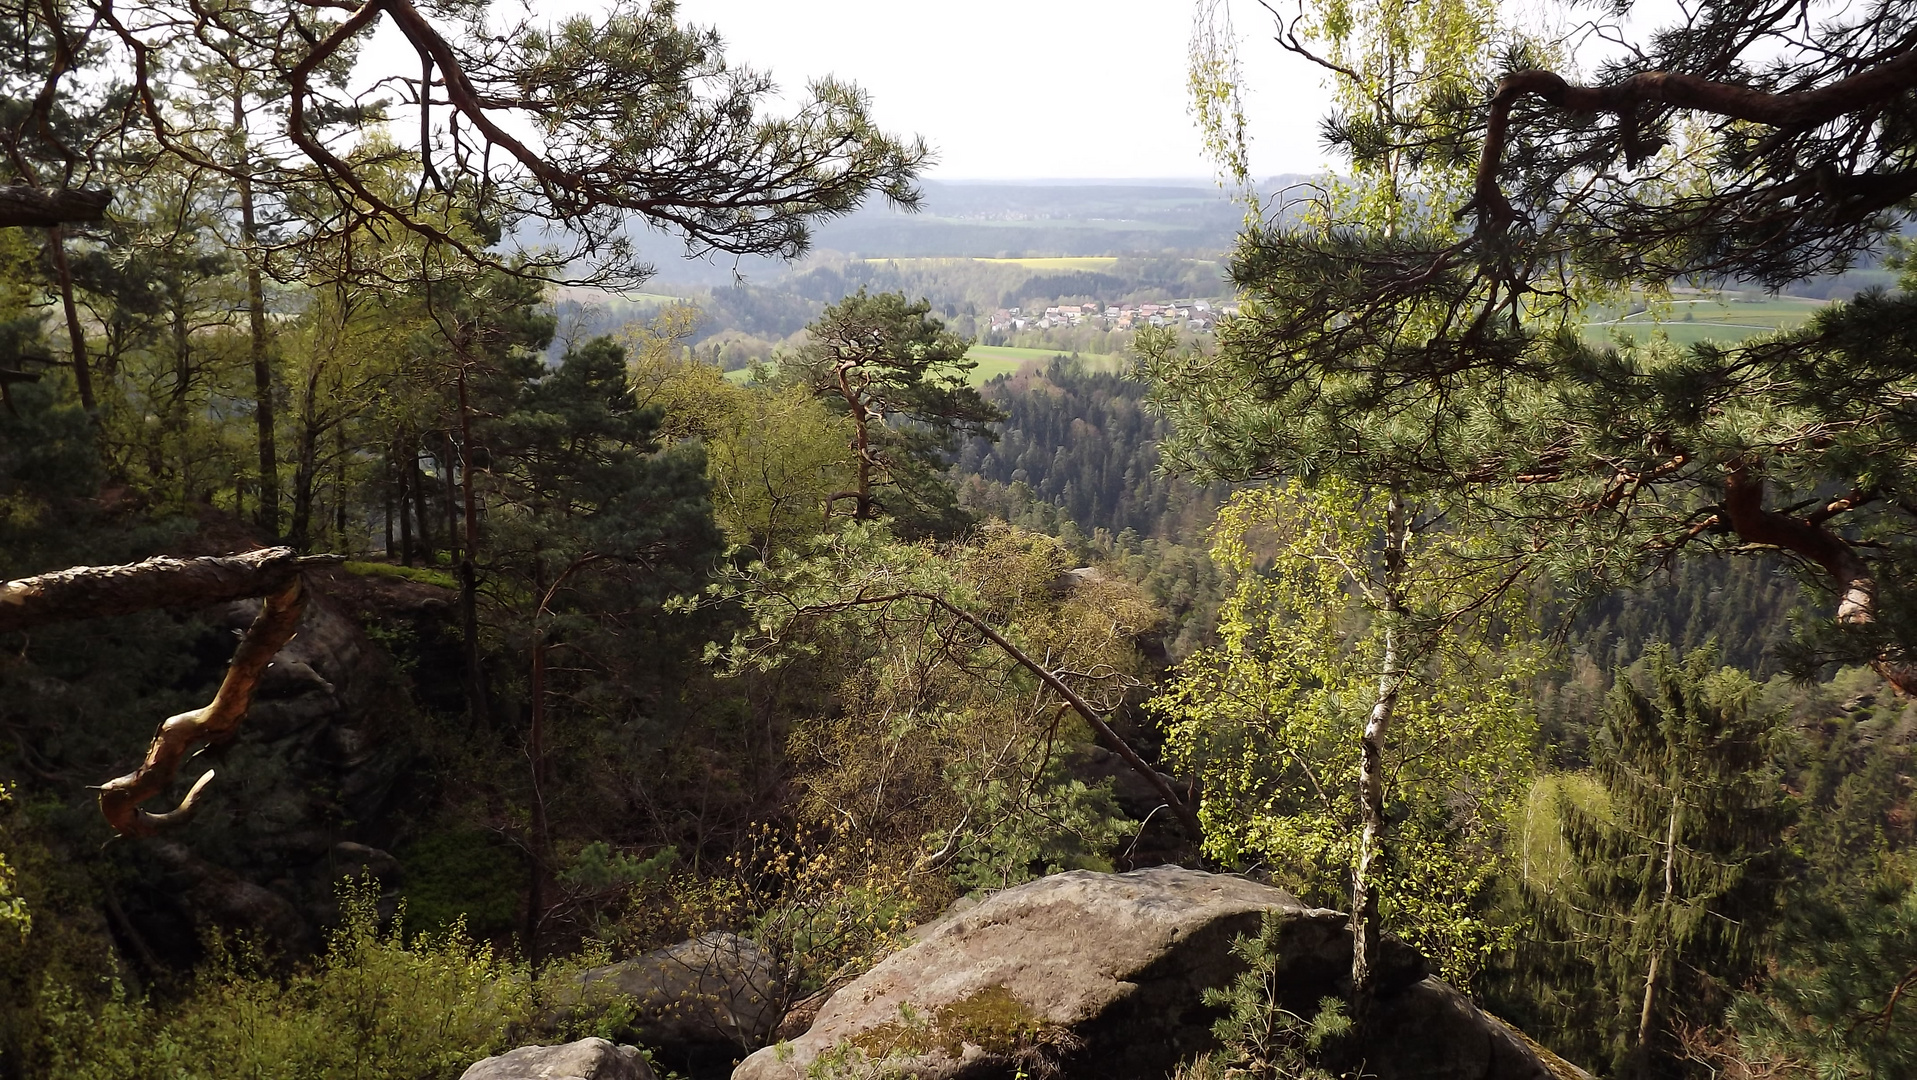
{"x": 84, "y": 592}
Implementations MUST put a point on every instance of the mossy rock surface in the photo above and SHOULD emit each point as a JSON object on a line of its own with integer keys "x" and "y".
{"x": 1102, "y": 975}
{"x": 992, "y": 1019}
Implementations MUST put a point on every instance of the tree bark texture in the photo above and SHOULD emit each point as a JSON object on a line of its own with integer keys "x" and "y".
{"x": 405, "y": 468}
{"x": 84, "y": 592}
{"x": 541, "y": 832}
{"x": 1372, "y": 835}
{"x": 269, "y": 478}
{"x": 24, "y": 206}
{"x": 1647, "y": 1015}
{"x": 862, "y": 415}
{"x": 476, "y": 698}
{"x": 76, "y": 335}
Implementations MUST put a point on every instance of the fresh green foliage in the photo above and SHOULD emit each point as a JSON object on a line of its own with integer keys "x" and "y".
{"x": 14, "y": 914}
{"x": 377, "y": 1006}
{"x": 775, "y": 459}
{"x": 1669, "y": 878}
{"x": 597, "y": 865}
{"x": 1031, "y": 829}
{"x": 1270, "y": 719}
{"x": 775, "y": 455}
{"x": 943, "y": 745}
{"x": 824, "y": 911}
{"x": 1385, "y": 337}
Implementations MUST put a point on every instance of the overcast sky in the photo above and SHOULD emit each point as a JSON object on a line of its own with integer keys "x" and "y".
{"x": 1029, "y": 88}
{"x": 1006, "y": 89}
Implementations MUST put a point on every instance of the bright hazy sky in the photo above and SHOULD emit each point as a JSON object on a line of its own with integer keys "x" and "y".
{"x": 1030, "y": 88}
{"x": 1009, "y": 89}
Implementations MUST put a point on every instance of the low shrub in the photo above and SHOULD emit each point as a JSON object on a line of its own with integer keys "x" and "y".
{"x": 376, "y": 1006}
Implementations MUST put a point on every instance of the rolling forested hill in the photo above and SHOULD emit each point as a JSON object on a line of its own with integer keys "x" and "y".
{"x": 1077, "y": 457}
{"x": 1084, "y": 442}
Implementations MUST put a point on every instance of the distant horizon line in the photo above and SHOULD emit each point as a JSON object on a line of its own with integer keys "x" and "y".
{"x": 1097, "y": 181}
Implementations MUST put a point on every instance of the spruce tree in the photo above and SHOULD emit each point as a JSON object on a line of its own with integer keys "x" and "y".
{"x": 1674, "y": 864}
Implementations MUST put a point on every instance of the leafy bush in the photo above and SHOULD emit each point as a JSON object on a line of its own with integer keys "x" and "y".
{"x": 377, "y": 1006}
{"x": 462, "y": 877}
{"x": 1035, "y": 829}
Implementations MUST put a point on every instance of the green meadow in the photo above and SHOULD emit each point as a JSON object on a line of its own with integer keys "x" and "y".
{"x": 1691, "y": 319}
{"x": 996, "y": 360}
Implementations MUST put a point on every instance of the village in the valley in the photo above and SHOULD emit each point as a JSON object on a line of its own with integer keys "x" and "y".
{"x": 1196, "y": 315}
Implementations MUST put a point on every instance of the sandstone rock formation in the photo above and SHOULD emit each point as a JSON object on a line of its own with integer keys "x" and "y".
{"x": 587, "y": 1059}
{"x": 700, "y": 1002}
{"x": 1101, "y": 975}
{"x": 316, "y": 751}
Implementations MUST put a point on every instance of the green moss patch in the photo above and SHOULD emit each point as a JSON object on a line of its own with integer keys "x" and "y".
{"x": 417, "y": 574}
{"x": 992, "y": 1019}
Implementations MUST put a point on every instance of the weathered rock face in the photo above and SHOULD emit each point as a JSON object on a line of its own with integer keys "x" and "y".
{"x": 302, "y": 798}
{"x": 1432, "y": 1031}
{"x": 1101, "y": 975}
{"x": 699, "y": 1004}
{"x": 587, "y": 1059}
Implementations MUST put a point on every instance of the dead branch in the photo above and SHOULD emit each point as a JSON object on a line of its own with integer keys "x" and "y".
{"x": 120, "y": 798}
{"x": 24, "y": 205}
{"x": 85, "y": 592}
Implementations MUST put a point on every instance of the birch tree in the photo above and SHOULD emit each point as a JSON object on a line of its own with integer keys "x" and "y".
{"x": 1327, "y": 638}
{"x": 1391, "y": 66}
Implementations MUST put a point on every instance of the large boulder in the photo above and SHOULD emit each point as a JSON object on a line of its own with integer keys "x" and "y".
{"x": 698, "y": 1004}
{"x": 587, "y": 1059}
{"x": 1102, "y": 975}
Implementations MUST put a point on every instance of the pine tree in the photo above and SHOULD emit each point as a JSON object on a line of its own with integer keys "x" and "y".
{"x": 591, "y": 526}
{"x": 902, "y": 378}
{"x": 1842, "y": 1003}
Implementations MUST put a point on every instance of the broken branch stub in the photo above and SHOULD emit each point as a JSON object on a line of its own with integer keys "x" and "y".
{"x": 179, "y": 735}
